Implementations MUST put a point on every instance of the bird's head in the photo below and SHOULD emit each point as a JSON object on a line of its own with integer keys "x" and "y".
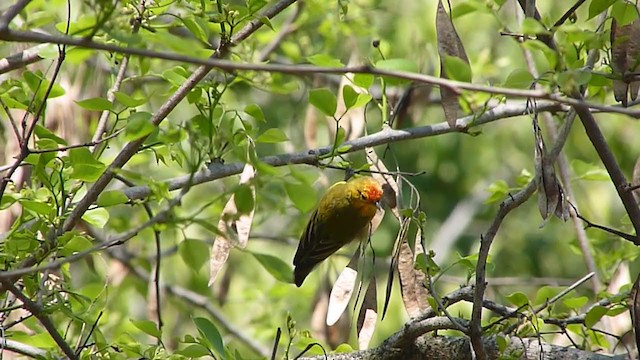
{"x": 366, "y": 191}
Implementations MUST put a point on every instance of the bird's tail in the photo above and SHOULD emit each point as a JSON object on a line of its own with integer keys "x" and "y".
{"x": 300, "y": 273}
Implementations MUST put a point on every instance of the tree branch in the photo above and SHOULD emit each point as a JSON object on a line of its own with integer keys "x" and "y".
{"x": 215, "y": 62}
{"x": 485, "y": 243}
{"x": 38, "y": 312}
{"x": 218, "y": 171}
{"x": 610, "y": 163}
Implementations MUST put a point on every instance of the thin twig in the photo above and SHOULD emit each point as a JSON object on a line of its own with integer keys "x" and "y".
{"x": 191, "y": 298}
{"x": 606, "y": 156}
{"x": 302, "y": 69}
{"x": 38, "y": 312}
{"x": 11, "y": 13}
{"x": 122, "y": 70}
{"x": 75, "y": 146}
{"x": 486, "y": 240}
{"x": 568, "y": 14}
{"x": 386, "y": 136}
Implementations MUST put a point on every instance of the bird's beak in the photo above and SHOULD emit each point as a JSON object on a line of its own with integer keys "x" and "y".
{"x": 379, "y": 204}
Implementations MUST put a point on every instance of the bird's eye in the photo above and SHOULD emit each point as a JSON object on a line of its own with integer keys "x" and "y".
{"x": 363, "y": 195}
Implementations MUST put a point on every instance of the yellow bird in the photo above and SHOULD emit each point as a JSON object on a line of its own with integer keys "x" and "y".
{"x": 344, "y": 212}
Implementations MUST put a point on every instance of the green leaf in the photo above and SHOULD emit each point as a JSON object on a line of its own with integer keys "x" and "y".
{"x": 519, "y": 79}
{"x": 85, "y": 167}
{"x": 44, "y": 133}
{"x": 403, "y": 65}
{"x": 518, "y": 299}
{"x": 194, "y": 253}
{"x": 272, "y": 135}
{"x": 586, "y": 171}
{"x": 457, "y": 69}
{"x": 349, "y": 96}
{"x": 624, "y": 13}
{"x": 265, "y": 20}
{"x": 502, "y": 342}
{"x": 598, "y": 6}
{"x": 255, "y": 111}
{"x": 324, "y": 60}
{"x": 148, "y": 327}
{"x": 363, "y": 80}
{"x": 617, "y": 309}
{"x": 498, "y": 190}
{"x": 276, "y": 267}
{"x": 194, "y": 351}
{"x": 531, "y": 26}
{"x": 302, "y": 195}
{"x": 594, "y": 315}
{"x": 112, "y": 197}
{"x": 576, "y": 303}
{"x": 324, "y": 100}
{"x": 426, "y": 264}
{"x": 243, "y": 198}
{"x": 138, "y": 125}
{"x": 97, "y": 217}
{"x": 129, "y": 101}
{"x": 77, "y": 244}
{"x": 37, "y": 207}
{"x": 195, "y": 28}
{"x": 539, "y": 46}
{"x": 95, "y": 104}
{"x": 210, "y": 332}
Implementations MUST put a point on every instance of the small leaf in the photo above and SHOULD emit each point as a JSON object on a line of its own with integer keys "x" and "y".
{"x": 148, "y": 327}
{"x": 138, "y": 125}
{"x": 363, "y": 80}
{"x": 349, "y": 95}
{"x": 457, "y": 69}
{"x": 576, "y": 303}
{"x": 518, "y": 299}
{"x": 85, "y": 166}
{"x": 77, "y": 244}
{"x": 128, "y": 101}
{"x": 598, "y": 6}
{"x": 194, "y": 351}
{"x": 594, "y": 315}
{"x": 44, "y": 133}
{"x": 255, "y": 111}
{"x": 403, "y": 65}
{"x": 625, "y": 13}
{"x": 276, "y": 267}
{"x": 37, "y": 207}
{"x": 97, "y": 217}
{"x": 531, "y": 26}
{"x": 194, "y": 253}
{"x": 272, "y": 135}
{"x": 210, "y": 332}
{"x": 519, "y": 79}
{"x": 324, "y": 100}
{"x": 502, "y": 342}
{"x": 112, "y": 197}
{"x": 498, "y": 190}
{"x": 302, "y": 195}
{"x": 95, "y": 104}
{"x": 243, "y": 197}
{"x": 324, "y": 60}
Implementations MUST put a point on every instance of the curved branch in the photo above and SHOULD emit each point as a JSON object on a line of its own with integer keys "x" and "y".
{"x": 218, "y": 171}
{"x": 302, "y": 69}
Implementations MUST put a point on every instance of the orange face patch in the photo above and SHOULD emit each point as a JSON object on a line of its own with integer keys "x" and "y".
{"x": 373, "y": 191}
